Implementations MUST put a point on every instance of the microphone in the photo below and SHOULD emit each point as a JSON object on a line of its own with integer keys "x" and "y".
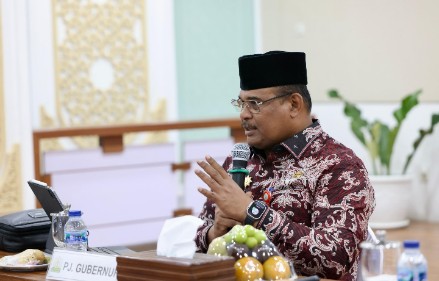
{"x": 240, "y": 156}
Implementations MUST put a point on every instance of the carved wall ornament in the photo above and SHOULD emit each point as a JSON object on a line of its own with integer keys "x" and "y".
{"x": 101, "y": 67}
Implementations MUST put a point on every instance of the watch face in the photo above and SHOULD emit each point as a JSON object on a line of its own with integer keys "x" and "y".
{"x": 255, "y": 211}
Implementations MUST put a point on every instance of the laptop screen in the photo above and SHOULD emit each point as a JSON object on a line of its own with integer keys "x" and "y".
{"x": 46, "y": 196}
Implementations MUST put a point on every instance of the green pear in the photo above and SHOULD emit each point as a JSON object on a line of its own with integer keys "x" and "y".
{"x": 218, "y": 247}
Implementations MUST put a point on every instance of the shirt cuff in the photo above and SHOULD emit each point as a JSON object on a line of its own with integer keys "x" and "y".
{"x": 204, "y": 240}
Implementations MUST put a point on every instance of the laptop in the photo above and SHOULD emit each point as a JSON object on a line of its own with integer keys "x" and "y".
{"x": 51, "y": 203}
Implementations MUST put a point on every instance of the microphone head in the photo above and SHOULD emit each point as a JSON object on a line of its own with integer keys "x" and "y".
{"x": 241, "y": 152}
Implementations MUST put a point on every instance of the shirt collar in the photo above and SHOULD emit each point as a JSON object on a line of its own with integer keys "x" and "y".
{"x": 297, "y": 143}
{"x": 300, "y": 141}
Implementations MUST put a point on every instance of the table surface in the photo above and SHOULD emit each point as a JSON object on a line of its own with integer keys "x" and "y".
{"x": 425, "y": 232}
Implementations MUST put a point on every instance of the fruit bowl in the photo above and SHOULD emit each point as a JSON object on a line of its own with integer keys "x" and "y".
{"x": 256, "y": 257}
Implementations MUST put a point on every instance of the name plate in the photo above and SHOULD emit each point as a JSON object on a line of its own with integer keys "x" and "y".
{"x": 81, "y": 266}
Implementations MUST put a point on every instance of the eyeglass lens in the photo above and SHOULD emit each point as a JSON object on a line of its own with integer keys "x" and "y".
{"x": 251, "y": 104}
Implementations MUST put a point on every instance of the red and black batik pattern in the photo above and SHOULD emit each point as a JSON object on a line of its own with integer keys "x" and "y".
{"x": 321, "y": 201}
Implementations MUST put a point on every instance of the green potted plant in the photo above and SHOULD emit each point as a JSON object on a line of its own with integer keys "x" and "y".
{"x": 379, "y": 139}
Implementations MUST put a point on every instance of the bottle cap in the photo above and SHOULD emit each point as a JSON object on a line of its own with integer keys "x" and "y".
{"x": 411, "y": 244}
{"x": 75, "y": 213}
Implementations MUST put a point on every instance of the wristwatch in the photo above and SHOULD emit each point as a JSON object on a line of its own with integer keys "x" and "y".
{"x": 255, "y": 211}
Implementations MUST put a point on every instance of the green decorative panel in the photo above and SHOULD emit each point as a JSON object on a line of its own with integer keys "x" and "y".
{"x": 210, "y": 36}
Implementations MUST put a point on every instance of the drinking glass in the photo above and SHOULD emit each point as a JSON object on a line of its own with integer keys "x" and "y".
{"x": 58, "y": 222}
{"x": 379, "y": 259}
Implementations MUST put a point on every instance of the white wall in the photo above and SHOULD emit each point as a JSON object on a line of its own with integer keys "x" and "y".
{"x": 370, "y": 50}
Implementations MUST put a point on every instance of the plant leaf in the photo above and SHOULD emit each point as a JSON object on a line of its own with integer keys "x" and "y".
{"x": 384, "y": 143}
{"x": 351, "y": 111}
{"x": 422, "y": 135}
{"x": 407, "y": 104}
{"x": 333, "y": 94}
{"x": 374, "y": 132}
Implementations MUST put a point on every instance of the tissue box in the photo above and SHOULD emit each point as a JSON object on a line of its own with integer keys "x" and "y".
{"x": 148, "y": 266}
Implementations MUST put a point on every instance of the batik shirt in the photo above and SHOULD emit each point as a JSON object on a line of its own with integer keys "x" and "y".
{"x": 320, "y": 206}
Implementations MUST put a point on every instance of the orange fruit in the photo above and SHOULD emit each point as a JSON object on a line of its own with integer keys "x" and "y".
{"x": 276, "y": 268}
{"x": 248, "y": 269}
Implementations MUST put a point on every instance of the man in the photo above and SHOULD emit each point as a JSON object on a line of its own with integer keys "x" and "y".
{"x": 311, "y": 194}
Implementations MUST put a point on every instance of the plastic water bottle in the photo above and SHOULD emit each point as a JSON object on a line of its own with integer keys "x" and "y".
{"x": 75, "y": 232}
{"x": 412, "y": 265}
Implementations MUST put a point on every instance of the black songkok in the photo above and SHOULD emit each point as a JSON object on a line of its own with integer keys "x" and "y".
{"x": 275, "y": 68}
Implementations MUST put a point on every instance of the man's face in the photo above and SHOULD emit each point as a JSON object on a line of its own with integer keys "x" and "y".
{"x": 272, "y": 124}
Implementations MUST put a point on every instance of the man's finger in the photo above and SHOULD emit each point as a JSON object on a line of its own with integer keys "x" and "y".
{"x": 207, "y": 193}
{"x": 208, "y": 169}
{"x": 217, "y": 167}
{"x": 207, "y": 179}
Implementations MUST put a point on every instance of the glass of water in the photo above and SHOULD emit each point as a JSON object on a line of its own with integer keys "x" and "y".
{"x": 379, "y": 259}
{"x": 58, "y": 222}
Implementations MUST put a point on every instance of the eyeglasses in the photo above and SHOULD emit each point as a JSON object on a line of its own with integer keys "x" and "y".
{"x": 253, "y": 105}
